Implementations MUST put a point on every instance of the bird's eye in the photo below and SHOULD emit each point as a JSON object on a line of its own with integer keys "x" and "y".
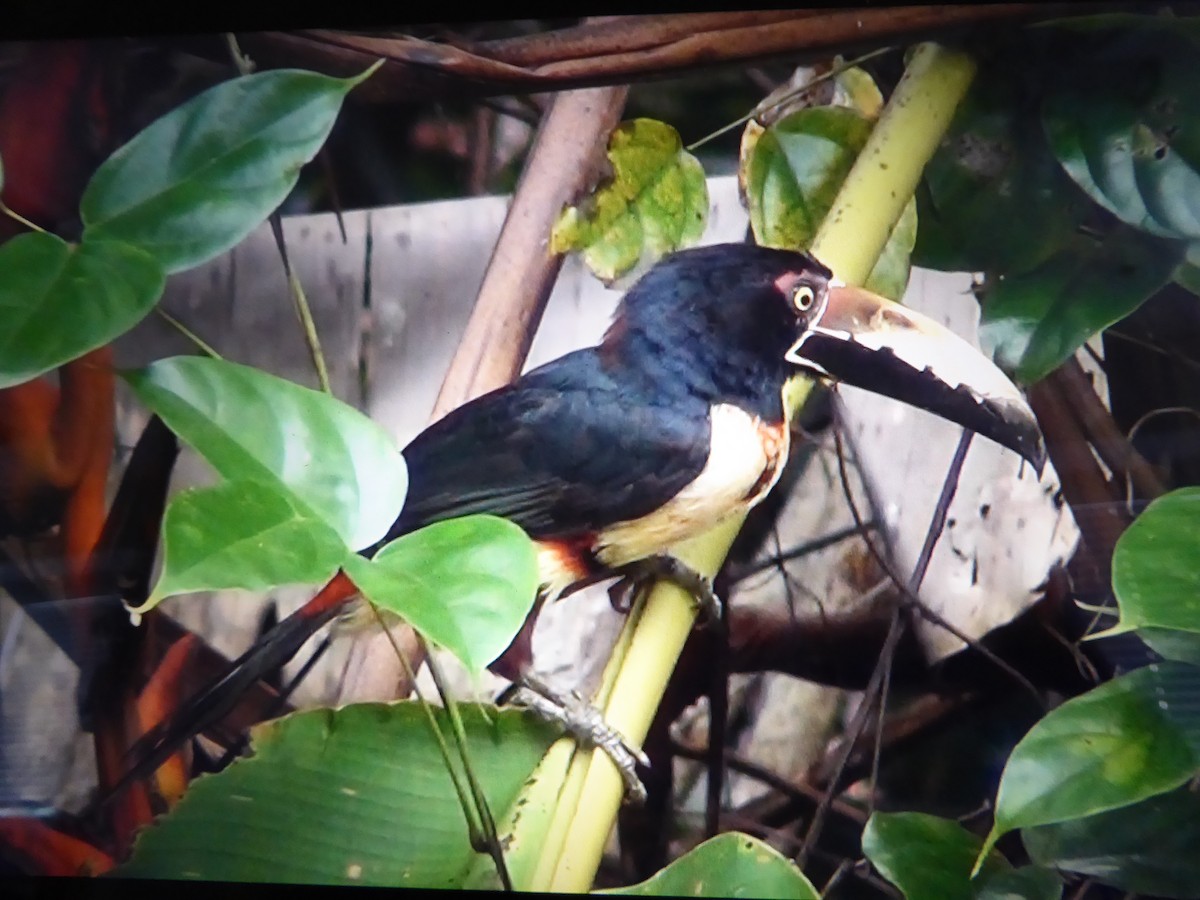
{"x": 803, "y": 297}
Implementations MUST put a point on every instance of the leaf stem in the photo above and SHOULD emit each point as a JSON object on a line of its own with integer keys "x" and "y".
{"x": 187, "y": 333}
{"x": 12, "y": 214}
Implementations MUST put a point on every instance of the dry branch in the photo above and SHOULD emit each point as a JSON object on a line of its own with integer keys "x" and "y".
{"x": 622, "y": 49}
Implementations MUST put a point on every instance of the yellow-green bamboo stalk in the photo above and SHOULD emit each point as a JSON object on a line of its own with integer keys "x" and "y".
{"x": 849, "y": 242}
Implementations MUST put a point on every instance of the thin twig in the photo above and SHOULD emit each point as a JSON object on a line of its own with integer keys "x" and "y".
{"x": 799, "y": 792}
{"x": 311, "y": 339}
{"x": 483, "y": 834}
{"x": 875, "y": 694}
{"x": 838, "y": 874}
{"x": 911, "y": 599}
{"x": 802, "y": 549}
{"x": 763, "y": 108}
{"x": 857, "y": 724}
{"x": 16, "y": 216}
{"x": 187, "y": 333}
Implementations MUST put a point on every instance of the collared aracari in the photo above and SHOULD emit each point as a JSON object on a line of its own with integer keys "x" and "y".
{"x": 609, "y": 456}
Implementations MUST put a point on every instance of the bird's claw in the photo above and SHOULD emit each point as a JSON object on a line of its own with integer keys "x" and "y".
{"x": 675, "y": 570}
{"x": 584, "y": 722}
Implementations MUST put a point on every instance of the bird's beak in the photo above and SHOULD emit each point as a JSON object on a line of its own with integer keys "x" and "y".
{"x": 870, "y": 342}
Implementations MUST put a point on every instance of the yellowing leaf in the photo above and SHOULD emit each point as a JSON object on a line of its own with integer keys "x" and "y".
{"x": 656, "y": 202}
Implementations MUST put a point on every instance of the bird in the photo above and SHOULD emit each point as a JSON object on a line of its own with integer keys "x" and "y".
{"x": 609, "y": 456}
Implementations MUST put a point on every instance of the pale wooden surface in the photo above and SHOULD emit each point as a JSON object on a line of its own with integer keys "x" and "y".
{"x": 390, "y": 305}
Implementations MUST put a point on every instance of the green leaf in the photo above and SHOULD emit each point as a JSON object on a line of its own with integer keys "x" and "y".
{"x": 199, "y": 179}
{"x": 1126, "y": 126}
{"x": 1156, "y": 565}
{"x": 335, "y": 464}
{"x": 357, "y": 795}
{"x": 794, "y": 171}
{"x": 1145, "y": 848}
{"x": 994, "y": 198}
{"x": 1187, "y": 274}
{"x": 729, "y": 865}
{"x": 60, "y": 300}
{"x": 1033, "y": 321}
{"x": 242, "y": 534}
{"x": 465, "y": 584}
{"x": 1025, "y": 883}
{"x": 1131, "y": 738}
{"x": 926, "y": 856}
{"x": 1182, "y": 646}
{"x": 656, "y": 202}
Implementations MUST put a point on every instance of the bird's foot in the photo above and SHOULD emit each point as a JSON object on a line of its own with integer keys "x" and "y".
{"x": 675, "y": 570}
{"x": 584, "y": 722}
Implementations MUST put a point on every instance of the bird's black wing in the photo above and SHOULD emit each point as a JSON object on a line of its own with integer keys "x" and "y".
{"x": 564, "y": 451}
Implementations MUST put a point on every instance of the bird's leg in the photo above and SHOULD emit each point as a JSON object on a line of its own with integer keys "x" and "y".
{"x": 675, "y": 570}
{"x": 584, "y": 722}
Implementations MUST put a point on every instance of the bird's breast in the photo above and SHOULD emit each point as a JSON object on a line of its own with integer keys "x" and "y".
{"x": 746, "y": 456}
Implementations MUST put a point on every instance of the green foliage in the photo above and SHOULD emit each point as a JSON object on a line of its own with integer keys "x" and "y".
{"x": 994, "y": 169}
{"x": 1035, "y": 320}
{"x": 1156, "y": 576}
{"x": 1145, "y": 848}
{"x": 1070, "y": 181}
{"x": 199, "y": 179}
{"x": 1112, "y": 754}
{"x": 186, "y": 188}
{"x": 60, "y": 300}
{"x": 655, "y": 202}
{"x": 1126, "y": 127}
{"x": 243, "y": 534}
{"x": 338, "y": 466}
{"x": 793, "y": 172}
{"x": 728, "y": 865}
{"x": 309, "y": 481}
{"x": 1128, "y": 739}
{"x": 358, "y": 795}
{"x": 465, "y": 584}
{"x": 926, "y": 857}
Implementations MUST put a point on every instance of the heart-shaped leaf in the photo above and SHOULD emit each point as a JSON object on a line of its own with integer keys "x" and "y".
{"x": 729, "y": 865}
{"x": 242, "y": 534}
{"x": 1155, "y": 574}
{"x": 656, "y": 202}
{"x": 465, "y": 584}
{"x": 335, "y": 464}
{"x": 1128, "y": 739}
{"x": 794, "y": 171}
{"x": 60, "y": 300}
{"x": 357, "y": 795}
{"x": 199, "y": 179}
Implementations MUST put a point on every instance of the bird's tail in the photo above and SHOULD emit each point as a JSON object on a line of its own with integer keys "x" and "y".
{"x": 213, "y": 702}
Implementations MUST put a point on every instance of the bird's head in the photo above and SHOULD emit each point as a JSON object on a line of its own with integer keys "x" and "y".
{"x": 736, "y": 321}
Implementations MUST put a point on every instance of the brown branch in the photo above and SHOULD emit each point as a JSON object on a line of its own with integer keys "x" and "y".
{"x": 1102, "y": 432}
{"x": 563, "y": 163}
{"x": 1095, "y": 502}
{"x": 623, "y": 48}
